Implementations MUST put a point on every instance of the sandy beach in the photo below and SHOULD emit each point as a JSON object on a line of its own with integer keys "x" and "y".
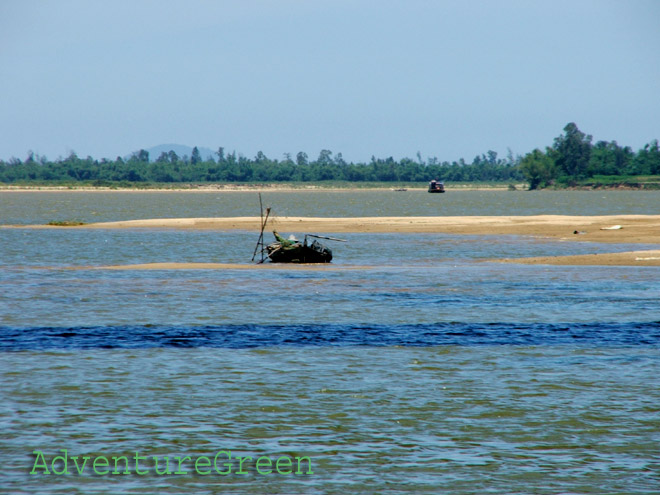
{"x": 629, "y": 229}
{"x": 627, "y": 258}
{"x": 610, "y": 229}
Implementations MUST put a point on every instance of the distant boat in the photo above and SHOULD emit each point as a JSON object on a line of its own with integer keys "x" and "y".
{"x": 436, "y": 187}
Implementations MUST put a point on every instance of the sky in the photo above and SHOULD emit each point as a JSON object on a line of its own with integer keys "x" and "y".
{"x": 445, "y": 79}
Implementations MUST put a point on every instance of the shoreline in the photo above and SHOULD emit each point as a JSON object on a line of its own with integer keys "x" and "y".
{"x": 633, "y": 229}
{"x": 305, "y": 187}
{"x": 626, "y": 258}
{"x": 219, "y": 188}
{"x": 613, "y": 229}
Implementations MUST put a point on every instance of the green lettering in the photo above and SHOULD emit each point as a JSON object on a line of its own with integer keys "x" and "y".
{"x": 44, "y": 466}
{"x": 241, "y": 460}
{"x": 101, "y": 460}
{"x": 178, "y": 471}
{"x": 228, "y": 464}
{"x": 267, "y": 460}
{"x": 80, "y": 468}
{"x": 309, "y": 465}
{"x": 116, "y": 471}
{"x": 64, "y": 459}
{"x": 137, "y": 458}
{"x": 207, "y": 463}
{"x": 285, "y": 460}
{"x": 167, "y": 465}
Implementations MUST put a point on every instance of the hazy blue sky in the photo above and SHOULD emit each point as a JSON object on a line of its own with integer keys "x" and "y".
{"x": 449, "y": 79}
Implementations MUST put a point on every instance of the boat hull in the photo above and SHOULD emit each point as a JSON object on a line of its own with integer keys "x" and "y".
{"x": 299, "y": 253}
{"x": 436, "y": 187}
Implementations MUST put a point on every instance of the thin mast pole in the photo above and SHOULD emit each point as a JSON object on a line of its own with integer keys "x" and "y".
{"x": 260, "y": 242}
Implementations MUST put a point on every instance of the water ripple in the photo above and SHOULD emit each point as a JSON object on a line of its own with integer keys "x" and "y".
{"x": 250, "y": 336}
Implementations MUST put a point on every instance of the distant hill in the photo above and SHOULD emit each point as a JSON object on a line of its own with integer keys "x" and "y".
{"x": 180, "y": 150}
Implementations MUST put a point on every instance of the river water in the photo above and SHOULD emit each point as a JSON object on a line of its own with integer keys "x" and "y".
{"x": 411, "y": 364}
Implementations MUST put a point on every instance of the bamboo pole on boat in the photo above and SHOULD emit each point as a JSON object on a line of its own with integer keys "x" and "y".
{"x": 325, "y": 237}
{"x": 264, "y": 220}
{"x": 261, "y": 211}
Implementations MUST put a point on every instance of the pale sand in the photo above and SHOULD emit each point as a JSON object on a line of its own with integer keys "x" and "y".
{"x": 629, "y": 258}
{"x": 633, "y": 229}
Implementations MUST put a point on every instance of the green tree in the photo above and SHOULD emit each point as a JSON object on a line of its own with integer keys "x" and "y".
{"x": 538, "y": 168}
{"x": 195, "y": 157}
{"x": 647, "y": 160}
{"x": 571, "y": 152}
{"x": 325, "y": 158}
{"x": 142, "y": 156}
{"x": 301, "y": 158}
{"x": 174, "y": 158}
{"x": 608, "y": 158}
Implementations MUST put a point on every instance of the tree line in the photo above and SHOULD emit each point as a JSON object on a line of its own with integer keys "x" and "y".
{"x": 230, "y": 167}
{"x": 571, "y": 158}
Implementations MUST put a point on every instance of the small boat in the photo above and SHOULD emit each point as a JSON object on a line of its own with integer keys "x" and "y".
{"x": 436, "y": 187}
{"x": 293, "y": 251}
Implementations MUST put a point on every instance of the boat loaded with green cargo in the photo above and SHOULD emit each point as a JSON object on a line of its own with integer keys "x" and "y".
{"x": 293, "y": 251}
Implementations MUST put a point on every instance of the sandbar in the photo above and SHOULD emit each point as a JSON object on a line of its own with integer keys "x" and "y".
{"x": 627, "y": 258}
{"x": 622, "y": 229}
{"x": 607, "y": 228}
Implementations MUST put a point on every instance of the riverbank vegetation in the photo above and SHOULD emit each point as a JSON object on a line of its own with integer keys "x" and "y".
{"x": 572, "y": 161}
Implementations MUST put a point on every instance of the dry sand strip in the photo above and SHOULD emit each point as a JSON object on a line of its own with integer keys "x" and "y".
{"x": 630, "y": 258}
{"x": 627, "y": 228}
